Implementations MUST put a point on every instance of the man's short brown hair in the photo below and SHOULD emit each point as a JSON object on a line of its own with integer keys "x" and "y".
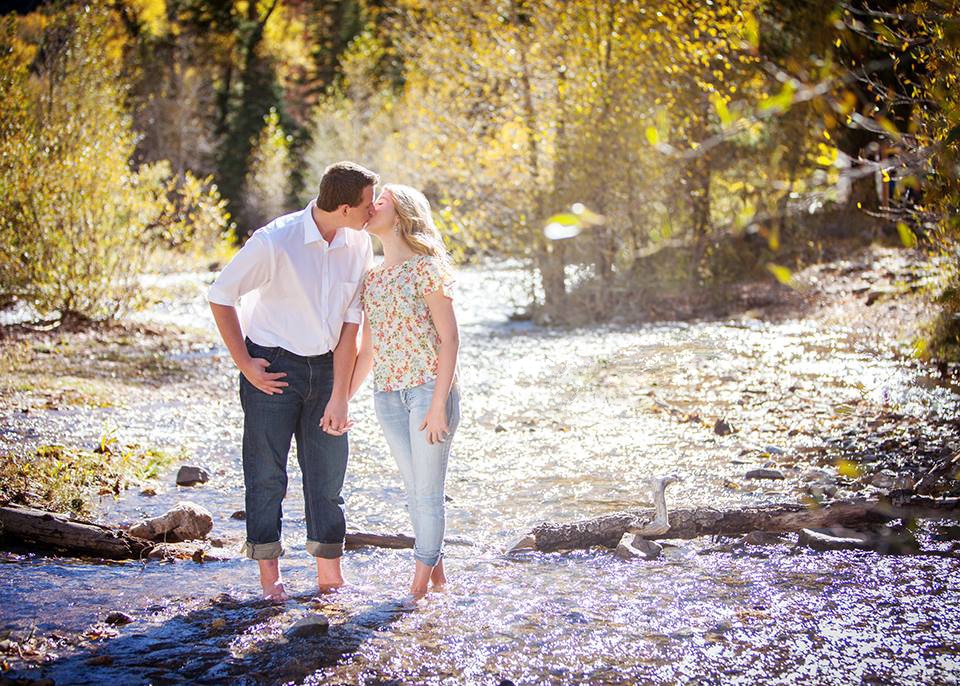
{"x": 343, "y": 184}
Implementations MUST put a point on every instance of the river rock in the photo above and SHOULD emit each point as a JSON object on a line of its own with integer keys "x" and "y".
{"x": 822, "y": 490}
{"x": 723, "y": 427}
{"x": 191, "y": 476}
{"x": 835, "y": 538}
{"x": 632, "y": 547}
{"x": 764, "y": 474}
{"x": 118, "y": 618}
{"x": 185, "y": 522}
{"x": 239, "y": 514}
{"x": 820, "y": 476}
{"x": 762, "y": 538}
{"x": 884, "y": 479}
{"x": 311, "y": 625}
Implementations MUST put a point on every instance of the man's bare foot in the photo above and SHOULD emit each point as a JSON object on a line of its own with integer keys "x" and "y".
{"x": 278, "y": 593}
{"x": 270, "y": 581}
{"x": 329, "y": 576}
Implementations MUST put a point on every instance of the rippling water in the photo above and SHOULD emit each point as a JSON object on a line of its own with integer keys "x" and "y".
{"x": 558, "y": 425}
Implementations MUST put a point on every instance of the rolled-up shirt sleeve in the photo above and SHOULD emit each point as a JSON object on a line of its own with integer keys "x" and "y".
{"x": 250, "y": 268}
{"x": 354, "y": 314}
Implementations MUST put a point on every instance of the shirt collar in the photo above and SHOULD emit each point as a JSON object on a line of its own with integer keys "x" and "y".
{"x": 311, "y": 233}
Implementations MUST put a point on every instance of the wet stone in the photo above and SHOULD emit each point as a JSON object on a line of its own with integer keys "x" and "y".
{"x": 764, "y": 474}
{"x": 118, "y": 618}
{"x": 191, "y": 476}
{"x": 723, "y": 428}
{"x": 834, "y": 539}
{"x": 311, "y": 625}
{"x": 634, "y": 547}
{"x": 239, "y": 514}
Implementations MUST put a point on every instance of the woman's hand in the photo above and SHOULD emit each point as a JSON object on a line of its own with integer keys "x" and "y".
{"x": 436, "y": 425}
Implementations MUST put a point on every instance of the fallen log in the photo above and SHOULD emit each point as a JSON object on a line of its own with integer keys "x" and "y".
{"x": 80, "y": 538}
{"x": 358, "y": 539}
{"x": 58, "y": 531}
{"x": 607, "y": 530}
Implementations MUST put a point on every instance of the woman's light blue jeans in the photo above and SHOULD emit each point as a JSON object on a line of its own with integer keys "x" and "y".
{"x": 422, "y": 466}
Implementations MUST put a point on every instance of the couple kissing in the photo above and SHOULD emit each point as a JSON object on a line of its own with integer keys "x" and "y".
{"x": 289, "y": 307}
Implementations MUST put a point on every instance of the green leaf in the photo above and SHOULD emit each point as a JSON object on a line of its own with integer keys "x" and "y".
{"x": 907, "y": 237}
{"x": 781, "y": 101}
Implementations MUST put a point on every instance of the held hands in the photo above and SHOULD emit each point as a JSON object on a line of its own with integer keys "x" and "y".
{"x": 335, "y": 420}
{"x": 436, "y": 425}
{"x": 268, "y": 382}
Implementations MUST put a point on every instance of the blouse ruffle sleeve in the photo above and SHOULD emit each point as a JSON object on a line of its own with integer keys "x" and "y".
{"x": 432, "y": 276}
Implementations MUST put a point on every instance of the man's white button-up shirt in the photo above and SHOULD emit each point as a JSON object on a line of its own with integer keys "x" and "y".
{"x": 294, "y": 289}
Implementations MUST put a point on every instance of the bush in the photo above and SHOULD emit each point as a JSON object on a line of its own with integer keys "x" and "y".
{"x": 77, "y": 222}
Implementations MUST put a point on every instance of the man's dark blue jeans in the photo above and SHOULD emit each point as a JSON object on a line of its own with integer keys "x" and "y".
{"x": 269, "y": 422}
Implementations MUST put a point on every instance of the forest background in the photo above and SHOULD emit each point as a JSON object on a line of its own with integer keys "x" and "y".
{"x": 623, "y": 151}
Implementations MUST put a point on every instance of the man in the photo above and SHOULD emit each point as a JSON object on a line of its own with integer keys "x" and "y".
{"x": 300, "y": 278}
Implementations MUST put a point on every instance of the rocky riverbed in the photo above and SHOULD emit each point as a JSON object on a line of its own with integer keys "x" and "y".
{"x": 558, "y": 425}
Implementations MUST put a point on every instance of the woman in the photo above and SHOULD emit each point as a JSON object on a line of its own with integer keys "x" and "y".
{"x": 410, "y": 338}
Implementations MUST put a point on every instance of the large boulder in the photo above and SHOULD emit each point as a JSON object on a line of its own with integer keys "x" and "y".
{"x": 185, "y": 522}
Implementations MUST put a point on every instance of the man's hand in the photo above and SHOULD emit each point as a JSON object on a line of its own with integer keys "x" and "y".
{"x": 335, "y": 420}
{"x": 257, "y": 374}
{"x": 435, "y": 424}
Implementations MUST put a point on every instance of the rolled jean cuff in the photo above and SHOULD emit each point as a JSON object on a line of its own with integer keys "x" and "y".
{"x": 263, "y": 551}
{"x": 429, "y": 561}
{"x": 328, "y": 551}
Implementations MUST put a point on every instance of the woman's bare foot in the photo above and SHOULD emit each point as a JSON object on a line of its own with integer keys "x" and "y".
{"x": 270, "y": 581}
{"x": 421, "y": 577}
{"x": 437, "y": 576}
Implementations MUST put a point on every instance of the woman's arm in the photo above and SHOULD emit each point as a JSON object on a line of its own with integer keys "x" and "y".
{"x": 445, "y": 321}
{"x": 364, "y": 358}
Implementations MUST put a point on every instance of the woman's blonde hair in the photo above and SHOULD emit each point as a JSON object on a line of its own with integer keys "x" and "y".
{"x": 415, "y": 221}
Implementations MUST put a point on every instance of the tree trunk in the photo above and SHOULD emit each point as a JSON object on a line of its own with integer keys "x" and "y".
{"x": 607, "y": 530}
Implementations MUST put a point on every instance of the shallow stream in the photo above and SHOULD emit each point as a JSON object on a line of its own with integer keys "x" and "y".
{"x": 557, "y": 425}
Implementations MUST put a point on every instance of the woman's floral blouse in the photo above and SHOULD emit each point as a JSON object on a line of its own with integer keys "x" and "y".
{"x": 405, "y": 341}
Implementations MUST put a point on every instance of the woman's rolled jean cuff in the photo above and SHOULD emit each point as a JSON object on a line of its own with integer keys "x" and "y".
{"x": 429, "y": 561}
{"x": 263, "y": 551}
{"x": 328, "y": 551}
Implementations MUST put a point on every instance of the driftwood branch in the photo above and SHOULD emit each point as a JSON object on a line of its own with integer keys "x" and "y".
{"x": 690, "y": 523}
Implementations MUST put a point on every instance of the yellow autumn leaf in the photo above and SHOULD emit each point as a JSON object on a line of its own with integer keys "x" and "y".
{"x": 907, "y": 236}
{"x": 848, "y": 469}
{"x": 781, "y": 273}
